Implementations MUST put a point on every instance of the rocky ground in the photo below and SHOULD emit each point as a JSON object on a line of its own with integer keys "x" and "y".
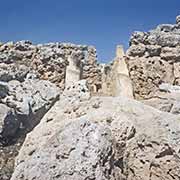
{"x": 54, "y": 131}
{"x": 22, "y": 105}
{"x": 101, "y": 138}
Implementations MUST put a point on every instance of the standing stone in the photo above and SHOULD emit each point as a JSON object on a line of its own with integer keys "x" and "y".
{"x": 73, "y": 70}
{"x": 119, "y": 51}
{"x": 116, "y": 82}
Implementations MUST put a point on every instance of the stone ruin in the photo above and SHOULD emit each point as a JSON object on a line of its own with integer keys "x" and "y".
{"x": 116, "y": 80}
{"x": 33, "y": 77}
{"x": 154, "y": 59}
{"x": 111, "y": 80}
{"x": 149, "y": 71}
{"x": 64, "y": 64}
{"x": 48, "y": 61}
{"x": 151, "y": 60}
{"x": 73, "y": 70}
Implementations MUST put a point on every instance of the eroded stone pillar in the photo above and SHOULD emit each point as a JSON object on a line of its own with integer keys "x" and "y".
{"x": 123, "y": 86}
{"x": 121, "y": 82}
{"x": 120, "y": 51}
{"x": 73, "y": 70}
{"x": 119, "y": 65}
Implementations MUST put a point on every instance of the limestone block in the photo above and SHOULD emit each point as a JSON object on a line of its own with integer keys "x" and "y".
{"x": 120, "y": 66}
{"x": 136, "y": 50}
{"x": 73, "y": 71}
{"x": 123, "y": 86}
{"x": 170, "y": 53}
{"x": 119, "y": 51}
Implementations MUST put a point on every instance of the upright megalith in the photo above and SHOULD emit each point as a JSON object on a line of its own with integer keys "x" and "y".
{"x": 74, "y": 69}
{"x": 119, "y": 64}
{"x": 116, "y": 81}
{"x": 120, "y": 51}
{"x": 122, "y": 85}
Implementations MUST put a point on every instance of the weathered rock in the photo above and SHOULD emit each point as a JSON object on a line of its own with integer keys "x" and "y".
{"x": 136, "y": 50}
{"x": 138, "y": 37}
{"x": 165, "y": 27}
{"x": 49, "y": 61}
{"x": 3, "y": 89}
{"x": 28, "y": 100}
{"x": 169, "y": 88}
{"x": 158, "y": 63}
{"x": 24, "y": 104}
{"x": 3, "y": 113}
{"x": 85, "y": 152}
{"x": 22, "y": 64}
{"x": 170, "y": 54}
{"x": 148, "y": 73}
{"x": 76, "y": 92}
{"x": 115, "y": 77}
{"x": 9, "y": 124}
{"x": 178, "y": 19}
{"x": 145, "y": 142}
{"x": 167, "y": 99}
{"x": 75, "y": 68}
{"x": 7, "y": 156}
{"x": 31, "y": 99}
{"x": 10, "y": 72}
{"x": 153, "y": 50}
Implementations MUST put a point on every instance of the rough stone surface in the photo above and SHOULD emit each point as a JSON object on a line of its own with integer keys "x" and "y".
{"x": 29, "y": 101}
{"x": 22, "y": 105}
{"x": 115, "y": 77}
{"x": 3, "y": 113}
{"x": 167, "y": 99}
{"x": 85, "y": 152}
{"x": 134, "y": 142}
{"x": 60, "y": 63}
{"x": 153, "y": 59}
{"x": 25, "y": 90}
{"x": 49, "y": 61}
{"x": 84, "y": 136}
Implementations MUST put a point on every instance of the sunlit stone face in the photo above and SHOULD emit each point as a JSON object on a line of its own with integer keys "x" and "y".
{"x": 119, "y": 51}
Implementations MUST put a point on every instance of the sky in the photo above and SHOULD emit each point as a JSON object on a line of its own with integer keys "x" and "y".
{"x": 101, "y": 23}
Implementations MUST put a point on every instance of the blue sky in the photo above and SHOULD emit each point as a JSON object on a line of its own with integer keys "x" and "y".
{"x": 102, "y": 23}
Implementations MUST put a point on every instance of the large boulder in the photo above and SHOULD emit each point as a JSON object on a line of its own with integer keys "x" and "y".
{"x": 23, "y": 104}
{"x": 30, "y": 99}
{"x": 101, "y": 138}
{"x": 84, "y": 152}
